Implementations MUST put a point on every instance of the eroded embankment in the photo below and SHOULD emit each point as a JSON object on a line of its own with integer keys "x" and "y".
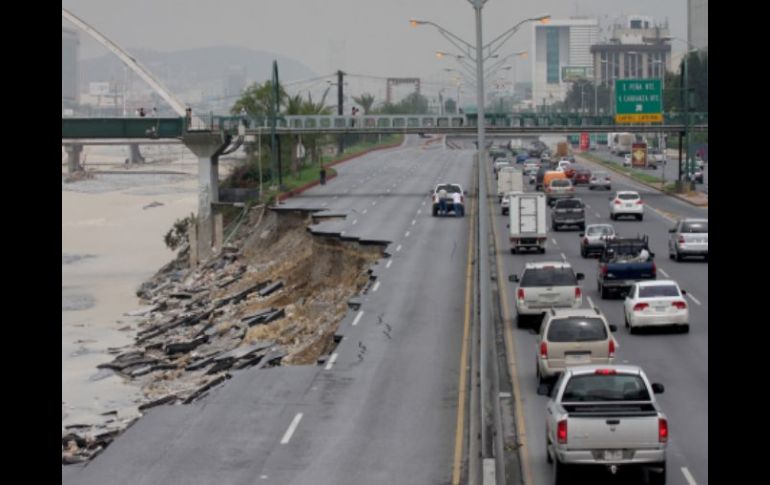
{"x": 274, "y": 296}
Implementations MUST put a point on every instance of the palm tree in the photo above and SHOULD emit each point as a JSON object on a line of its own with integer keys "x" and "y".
{"x": 366, "y": 101}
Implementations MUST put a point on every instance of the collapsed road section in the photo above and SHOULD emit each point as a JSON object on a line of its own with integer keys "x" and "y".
{"x": 274, "y": 296}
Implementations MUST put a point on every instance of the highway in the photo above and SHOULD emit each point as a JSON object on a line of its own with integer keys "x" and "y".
{"x": 679, "y": 361}
{"x": 384, "y": 410}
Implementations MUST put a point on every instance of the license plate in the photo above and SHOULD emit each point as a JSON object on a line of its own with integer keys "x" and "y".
{"x": 578, "y": 359}
{"x": 613, "y": 455}
{"x": 628, "y": 206}
{"x": 660, "y": 308}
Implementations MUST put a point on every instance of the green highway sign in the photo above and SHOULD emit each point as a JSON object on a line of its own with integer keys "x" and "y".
{"x": 638, "y": 101}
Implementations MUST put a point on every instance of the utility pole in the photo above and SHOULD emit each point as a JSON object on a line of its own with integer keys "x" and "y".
{"x": 274, "y": 107}
{"x": 341, "y": 138}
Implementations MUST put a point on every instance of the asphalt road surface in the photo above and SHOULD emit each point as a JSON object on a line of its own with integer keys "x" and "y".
{"x": 384, "y": 410}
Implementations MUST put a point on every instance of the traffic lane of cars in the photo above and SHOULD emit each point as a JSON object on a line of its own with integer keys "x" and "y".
{"x": 656, "y": 350}
{"x": 525, "y": 342}
{"x": 679, "y": 361}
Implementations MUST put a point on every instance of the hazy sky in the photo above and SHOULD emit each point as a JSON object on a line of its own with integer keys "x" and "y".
{"x": 360, "y": 36}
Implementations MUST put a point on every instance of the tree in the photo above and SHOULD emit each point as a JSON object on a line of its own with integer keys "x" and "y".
{"x": 366, "y": 101}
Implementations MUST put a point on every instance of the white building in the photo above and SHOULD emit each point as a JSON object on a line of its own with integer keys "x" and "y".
{"x": 561, "y": 53}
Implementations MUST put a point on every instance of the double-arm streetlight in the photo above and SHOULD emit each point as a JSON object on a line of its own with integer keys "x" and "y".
{"x": 483, "y": 246}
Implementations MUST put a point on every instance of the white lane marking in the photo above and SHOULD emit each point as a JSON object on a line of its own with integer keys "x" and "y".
{"x": 423, "y": 203}
{"x": 590, "y": 301}
{"x": 406, "y": 234}
{"x": 398, "y": 248}
{"x": 387, "y": 265}
{"x": 358, "y": 318}
{"x": 364, "y": 211}
{"x": 663, "y": 273}
{"x": 597, "y": 214}
{"x": 419, "y": 211}
{"x": 414, "y": 221}
{"x": 588, "y": 206}
{"x": 355, "y": 221}
{"x": 292, "y": 428}
{"x": 388, "y": 191}
{"x": 554, "y": 241}
{"x": 324, "y": 204}
{"x": 563, "y": 257}
{"x": 331, "y": 362}
{"x": 688, "y": 476}
{"x": 336, "y": 196}
{"x": 693, "y": 298}
{"x": 376, "y": 287}
{"x": 374, "y": 202}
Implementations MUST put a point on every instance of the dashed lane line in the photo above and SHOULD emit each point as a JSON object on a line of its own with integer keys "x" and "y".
{"x": 358, "y": 318}
{"x": 292, "y": 428}
{"x": 331, "y": 362}
{"x": 694, "y": 299}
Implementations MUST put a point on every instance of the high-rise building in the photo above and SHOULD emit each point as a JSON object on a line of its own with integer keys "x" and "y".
{"x": 560, "y": 55}
{"x": 69, "y": 67}
{"x": 698, "y": 23}
{"x": 638, "y": 49}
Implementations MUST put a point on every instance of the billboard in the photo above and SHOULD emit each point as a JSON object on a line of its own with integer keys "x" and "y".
{"x": 639, "y": 155}
{"x": 576, "y": 73}
{"x": 585, "y": 141}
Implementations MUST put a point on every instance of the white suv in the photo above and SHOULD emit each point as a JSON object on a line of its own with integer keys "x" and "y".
{"x": 546, "y": 285}
{"x": 573, "y": 337}
{"x": 626, "y": 203}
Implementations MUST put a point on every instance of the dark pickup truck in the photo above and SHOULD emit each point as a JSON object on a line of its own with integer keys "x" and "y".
{"x": 622, "y": 263}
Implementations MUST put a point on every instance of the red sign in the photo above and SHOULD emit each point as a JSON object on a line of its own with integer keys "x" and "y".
{"x": 585, "y": 141}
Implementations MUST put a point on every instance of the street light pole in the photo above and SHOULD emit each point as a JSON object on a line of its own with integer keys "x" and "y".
{"x": 483, "y": 247}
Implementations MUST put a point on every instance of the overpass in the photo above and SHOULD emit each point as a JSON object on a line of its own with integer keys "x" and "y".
{"x": 81, "y": 130}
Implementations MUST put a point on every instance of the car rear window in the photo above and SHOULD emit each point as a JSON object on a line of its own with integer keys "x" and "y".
{"x": 628, "y": 196}
{"x": 569, "y": 204}
{"x": 560, "y": 183}
{"x": 449, "y": 188}
{"x": 577, "y": 329}
{"x": 695, "y": 227}
{"x": 600, "y": 230}
{"x": 595, "y": 387}
{"x": 600, "y": 174}
{"x": 658, "y": 291}
{"x": 548, "y": 276}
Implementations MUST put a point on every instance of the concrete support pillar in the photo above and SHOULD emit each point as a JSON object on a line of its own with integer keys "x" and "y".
{"x": 208, "y": 147}
{"x": 73, "y": 158}
{"x": 135, "y": 156}
{"x": 207, "y": 190}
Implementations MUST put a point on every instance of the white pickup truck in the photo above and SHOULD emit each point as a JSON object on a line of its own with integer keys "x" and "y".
{"x": 605, "y": 416}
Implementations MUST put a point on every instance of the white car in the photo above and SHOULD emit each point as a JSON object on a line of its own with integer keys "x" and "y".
{"x": 563, "y": 165}
{"x": 546, "y": 285}
{"x": 656, "y": 303}
{"x": 626, "y": 203}
{"x": 627, "y": 160}
{"x": 690, "y": 237}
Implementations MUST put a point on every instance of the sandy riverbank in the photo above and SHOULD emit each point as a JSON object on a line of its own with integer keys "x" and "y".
{"x": 112, "y": 241}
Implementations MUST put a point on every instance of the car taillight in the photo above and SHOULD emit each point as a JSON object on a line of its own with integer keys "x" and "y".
{"x": 639, "y": 202}
{"x": 604, "y": 269}
{"x": 520, "y": 294}
{"x": 680, "y": 305}
{"x": 640, "y": 306}
{"x": 662, "y": 430}
{"x": 617, "y": 202}
{"x": 561, "y": 431}
{"x": 544, "y": 350}
{"x": 578, "y": 293}
{"x": 605, "y": 372}
{"x": 680, "y": 240}
{"x": 585, "y": 240}
{"x": 612, "y": 347}
{"x": 654, "y": 269}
